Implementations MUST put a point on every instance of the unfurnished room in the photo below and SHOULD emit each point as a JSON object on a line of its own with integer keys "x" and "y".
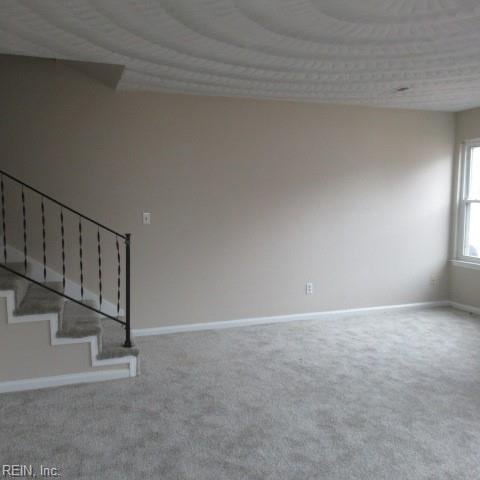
{"x": 240, "y": 239}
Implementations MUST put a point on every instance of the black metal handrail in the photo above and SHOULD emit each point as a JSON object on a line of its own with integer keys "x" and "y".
{"x": 60, "y": 204}
{"x": 126, "y": 238}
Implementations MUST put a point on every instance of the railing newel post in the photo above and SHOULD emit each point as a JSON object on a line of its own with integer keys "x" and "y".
{"x": 128, "y": 340}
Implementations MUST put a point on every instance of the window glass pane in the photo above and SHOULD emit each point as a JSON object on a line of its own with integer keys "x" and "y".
{"x": 472, "y": 245}
{"x": 474, "y": 190}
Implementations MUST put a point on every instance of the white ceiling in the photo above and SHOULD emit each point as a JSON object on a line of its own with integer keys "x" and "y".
{"x": 330, "y": 51}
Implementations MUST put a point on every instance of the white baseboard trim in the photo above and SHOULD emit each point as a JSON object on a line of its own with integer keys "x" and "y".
{"x": 244, "y": 322}
{"x": 465, "y": 308}
{"x": 103, "y": 375}
{"x": 61, "y": 380}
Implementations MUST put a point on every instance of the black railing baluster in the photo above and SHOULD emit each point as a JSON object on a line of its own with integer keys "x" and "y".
{"x": 119, "y": 271}
{"x": 24, "y": 213}
{"x": 99, "y": 249}
{"x": 80, "y": 240}
{"x": 44, "y": 242}
{"x": 4, "y": 220}
{"x": 62, "y": 232}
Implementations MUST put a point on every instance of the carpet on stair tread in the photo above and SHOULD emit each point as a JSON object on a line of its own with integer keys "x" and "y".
{"x": 39, "y": 300}
{"x": 78, "y": 321}
{"x": 113, "y": 338}
{"x": 10, "y": 281}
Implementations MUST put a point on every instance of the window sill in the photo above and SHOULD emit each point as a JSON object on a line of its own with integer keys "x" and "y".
{"x": 466, "y": 264}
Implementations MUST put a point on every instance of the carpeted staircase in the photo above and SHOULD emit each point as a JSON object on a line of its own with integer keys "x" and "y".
{"x": 74, "y": 321}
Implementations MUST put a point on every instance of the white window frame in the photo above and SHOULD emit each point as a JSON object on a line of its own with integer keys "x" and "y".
{"x": 464, "y": 202}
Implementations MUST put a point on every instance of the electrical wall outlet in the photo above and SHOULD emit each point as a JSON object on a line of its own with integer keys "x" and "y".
{"x": 146, "y": 218}
{"x": 309, "y": 288}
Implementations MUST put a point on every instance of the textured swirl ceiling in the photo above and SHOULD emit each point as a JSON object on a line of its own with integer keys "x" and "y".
{"x": 331, "y": 51}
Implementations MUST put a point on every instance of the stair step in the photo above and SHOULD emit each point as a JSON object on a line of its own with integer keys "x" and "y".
{"x": 10, "y": 281}
{"x": 113, "y": 337}
{"x": 38, "y": 300}
{"x": 17, "y": 266}
{"x": 77, "y": 321}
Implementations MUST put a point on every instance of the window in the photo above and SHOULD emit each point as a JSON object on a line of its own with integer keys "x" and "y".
{"x": 468, "y": 240}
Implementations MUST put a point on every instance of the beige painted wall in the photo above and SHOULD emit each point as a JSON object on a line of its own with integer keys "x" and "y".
{"x": 465, "y": 282}
{"x": 249, "y": 199}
